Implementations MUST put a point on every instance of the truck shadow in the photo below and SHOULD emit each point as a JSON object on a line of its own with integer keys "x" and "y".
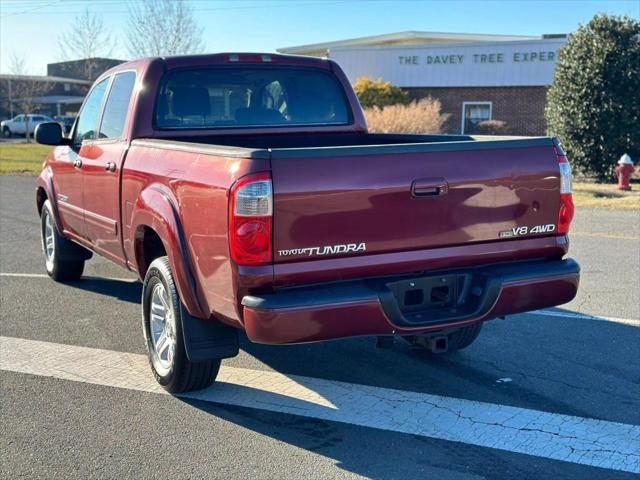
{"x": 125, "y": 290}
{"x": 566, "y": 365}
{"x": 560, "y": 364}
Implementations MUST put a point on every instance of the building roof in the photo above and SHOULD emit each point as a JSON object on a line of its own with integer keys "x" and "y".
{"x": 403, "y": 38}
{"x": 44, "y": 78}
{"x": 92, "y": 59}
{"x": 61, "y": 99}
{"x": 82, "y": 68}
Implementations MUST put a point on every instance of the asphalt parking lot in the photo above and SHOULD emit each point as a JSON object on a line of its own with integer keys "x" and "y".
{"x": 574, "y": 372}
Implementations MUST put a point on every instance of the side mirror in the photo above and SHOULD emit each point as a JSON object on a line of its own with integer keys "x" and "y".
{"x": 50, "y": 133}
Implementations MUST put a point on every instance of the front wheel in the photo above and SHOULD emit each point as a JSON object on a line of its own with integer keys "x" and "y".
{"x": 63, "y": 259}
{"x": 6, "y": 133}
{"x": 162, "y": 314}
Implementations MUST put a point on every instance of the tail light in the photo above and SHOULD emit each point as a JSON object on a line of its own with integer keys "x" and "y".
{"x": 566, "y": 210}
{"x": 250, "y": 220}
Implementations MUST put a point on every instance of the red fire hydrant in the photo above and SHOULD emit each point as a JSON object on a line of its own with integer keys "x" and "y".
{"x": 624, "y": 170}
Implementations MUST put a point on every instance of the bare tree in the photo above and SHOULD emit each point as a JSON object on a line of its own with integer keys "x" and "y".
{"x": 162, "y": 27}
{"x": 25, "y": 90}
{"x": 86, "y": 38}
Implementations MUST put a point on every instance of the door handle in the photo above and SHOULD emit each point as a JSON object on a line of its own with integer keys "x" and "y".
{"x": 429, "y": 187}
{"x": 110, "y": 167}
{"x": 77, "y": 163}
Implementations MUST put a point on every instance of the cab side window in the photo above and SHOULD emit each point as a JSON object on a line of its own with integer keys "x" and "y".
{"x": 115, "y": 111}
{"x": 88, "y": 120}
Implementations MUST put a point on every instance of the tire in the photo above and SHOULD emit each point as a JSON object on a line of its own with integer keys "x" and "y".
{"x": 456, "y": 340}
{"x": 461, "y": 339}
{"x": 6, "y": 133}
{"x": 168, "y": 357}
{"x": 63, "y": 259}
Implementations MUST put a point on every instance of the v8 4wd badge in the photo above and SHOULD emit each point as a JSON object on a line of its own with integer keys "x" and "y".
{"x": 524, "y": 230}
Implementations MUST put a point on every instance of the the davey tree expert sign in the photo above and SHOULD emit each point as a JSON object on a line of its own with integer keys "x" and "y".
{"x": 478, "y": 64}
{"x": 452, "y": 59}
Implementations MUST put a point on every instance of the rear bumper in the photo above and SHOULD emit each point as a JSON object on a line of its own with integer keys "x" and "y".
{"x": 368, "y": 307}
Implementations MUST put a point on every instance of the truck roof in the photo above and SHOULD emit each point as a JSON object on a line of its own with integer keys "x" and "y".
{"x": 180, "y": 61}
{"x": 151, "y": 70}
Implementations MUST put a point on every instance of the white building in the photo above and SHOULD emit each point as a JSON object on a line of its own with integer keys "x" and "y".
{"x": 475, "y": 77}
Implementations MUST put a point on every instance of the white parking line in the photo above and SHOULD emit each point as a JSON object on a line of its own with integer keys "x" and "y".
{"x": 553, "y": 313}
{"x": 44, "y": 275}
{"x": 561, "y": 437}
{"x": 26, "y": 275}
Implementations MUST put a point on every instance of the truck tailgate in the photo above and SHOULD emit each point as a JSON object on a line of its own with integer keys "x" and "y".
{"x": 347, "y": 201}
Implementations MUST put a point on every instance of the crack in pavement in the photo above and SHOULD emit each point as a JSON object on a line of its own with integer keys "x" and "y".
{"x": 561, "y": 437}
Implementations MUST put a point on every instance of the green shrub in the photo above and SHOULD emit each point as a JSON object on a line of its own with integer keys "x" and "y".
{"x": 378, "y": 93}
{"x": 593, "y": 105}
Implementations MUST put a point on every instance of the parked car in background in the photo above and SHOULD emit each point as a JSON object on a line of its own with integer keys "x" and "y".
{"x": 65, "y": 121}
{"x": 19, "y": 124}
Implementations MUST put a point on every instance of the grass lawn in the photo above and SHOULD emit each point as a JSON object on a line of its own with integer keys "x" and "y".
{"x": 599, "y": 195}
{"x": 22, "y": 158}
{"x": 27, "y": 158}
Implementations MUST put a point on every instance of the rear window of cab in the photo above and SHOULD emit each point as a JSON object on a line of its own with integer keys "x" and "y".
{"x": 240, "y": 97}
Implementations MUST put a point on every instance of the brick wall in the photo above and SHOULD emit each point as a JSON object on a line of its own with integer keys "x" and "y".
{"x": 522, "y": 108}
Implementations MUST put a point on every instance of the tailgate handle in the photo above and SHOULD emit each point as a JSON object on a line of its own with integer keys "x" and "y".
{"x": 429, "y": 187}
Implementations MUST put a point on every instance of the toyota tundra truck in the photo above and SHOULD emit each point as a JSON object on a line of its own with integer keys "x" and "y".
{"x": 247, "y": 194}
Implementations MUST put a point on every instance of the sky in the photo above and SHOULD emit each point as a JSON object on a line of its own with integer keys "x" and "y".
{"x": 30, "y": 28}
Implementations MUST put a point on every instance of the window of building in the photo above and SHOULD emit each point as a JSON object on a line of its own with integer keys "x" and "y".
{"x": 473, "y": 113}
{"x": 88, "y": 119}
{"x": 115, "y": 111}
{"x": 67, "y": 87}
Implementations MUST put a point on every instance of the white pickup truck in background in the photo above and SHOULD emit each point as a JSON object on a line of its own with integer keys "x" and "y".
{"x": 20, "y": 124}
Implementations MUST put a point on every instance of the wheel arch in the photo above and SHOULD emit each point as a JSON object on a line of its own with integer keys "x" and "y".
{"x": 41, "y": 197}
{"x": 147, "y": 247}
{"x": 157, "y": 229}
{"x": 45, "y": 191}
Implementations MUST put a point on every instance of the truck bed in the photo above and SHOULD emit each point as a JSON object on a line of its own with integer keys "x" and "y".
{"x": 361, "y": 194}
{"x": 315, "y": 140}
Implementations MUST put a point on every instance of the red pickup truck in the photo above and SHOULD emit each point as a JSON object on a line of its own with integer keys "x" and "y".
{"x": 246, "y": 192}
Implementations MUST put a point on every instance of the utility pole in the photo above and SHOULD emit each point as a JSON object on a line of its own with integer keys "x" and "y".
{"x": 10, "y": 100}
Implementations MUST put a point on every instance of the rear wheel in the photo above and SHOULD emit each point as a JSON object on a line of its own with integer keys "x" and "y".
{"x": 464, "y": 337}
{"x": 452, "y": 342}
{"x": 162, "y": 314}
{"x": 63, "y": 259}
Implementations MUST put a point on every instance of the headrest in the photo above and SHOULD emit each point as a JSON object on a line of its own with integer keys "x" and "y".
{"x": 190, "y": 101}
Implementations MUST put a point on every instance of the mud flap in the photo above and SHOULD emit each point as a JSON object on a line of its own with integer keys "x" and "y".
{"x": 208, "y": 339}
